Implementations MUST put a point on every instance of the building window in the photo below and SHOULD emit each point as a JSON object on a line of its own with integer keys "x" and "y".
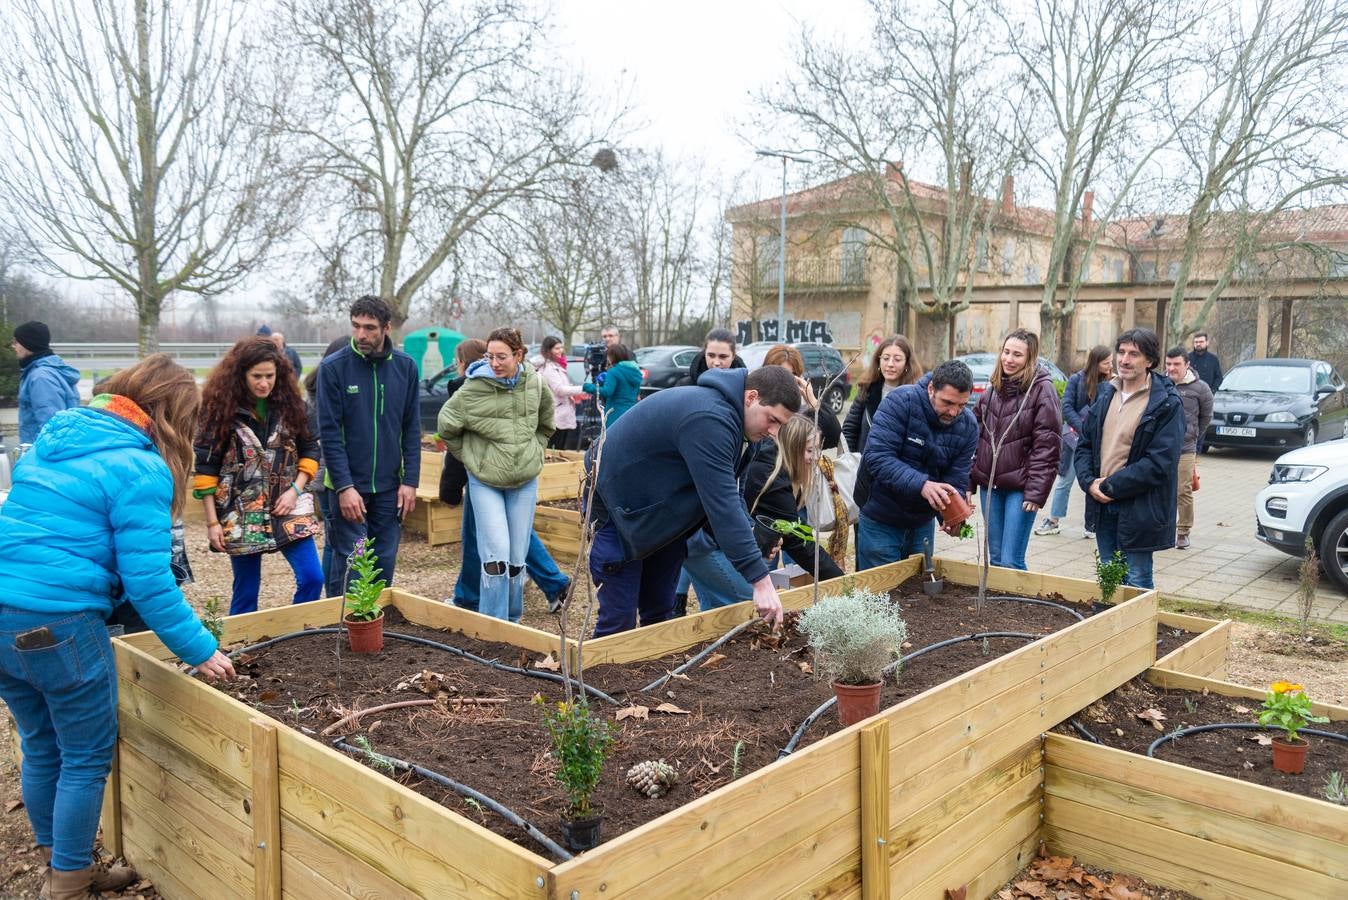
{"x": 981, "y": 253}
{"x": 1031, "y": 273}
{"x": 769, "y": 257}
{"x": 1146, "y": 271}
{"x": 1008, "y": 255}
{"x": 1118, "y": 270}
{"x": 1338, "y": 265}
{"x": 852, "y": 263}
{"x": 1172, "y": 271}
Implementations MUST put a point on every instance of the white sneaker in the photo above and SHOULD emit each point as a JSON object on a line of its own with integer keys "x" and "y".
{"x": 1087, "y": 534}
{"x": 1048, "y": 526}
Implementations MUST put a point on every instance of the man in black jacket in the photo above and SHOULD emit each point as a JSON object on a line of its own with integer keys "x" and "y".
{"x": 1127, "y": 458}
{"x": 1205, "y": 362}
{"x": 368, "y": 399}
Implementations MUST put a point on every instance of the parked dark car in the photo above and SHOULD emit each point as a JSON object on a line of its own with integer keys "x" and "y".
{"x": 1278, "y": 403}
{"x": 435, "y": 389}
{"x": 822, "y": 363}
{"x": 982, "y": 364}
{"x": 664, "y": 365}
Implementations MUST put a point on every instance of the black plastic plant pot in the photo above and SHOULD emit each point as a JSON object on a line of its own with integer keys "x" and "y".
{"x": 582, "y": 834}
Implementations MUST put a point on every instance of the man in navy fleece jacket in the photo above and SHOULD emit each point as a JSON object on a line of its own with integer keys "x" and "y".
{"x": 670, "y": 465}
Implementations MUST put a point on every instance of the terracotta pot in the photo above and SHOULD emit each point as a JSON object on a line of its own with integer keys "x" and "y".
{"x": 857, "y": 701}
{"x": 956, "y": 511}
{"x": 582, "y": 834}
{"x": 1289, "y": 757}
{"x": 365, "y": 636}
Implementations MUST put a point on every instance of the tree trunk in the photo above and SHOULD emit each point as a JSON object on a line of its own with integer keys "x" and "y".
{"x": 147, "y": 338}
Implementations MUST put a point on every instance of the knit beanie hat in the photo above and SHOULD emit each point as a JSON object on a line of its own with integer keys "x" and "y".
{"x": 36, "y": 336}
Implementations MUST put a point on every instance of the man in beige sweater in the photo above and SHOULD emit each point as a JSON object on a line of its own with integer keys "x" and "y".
{"x": 1127, "y": 460}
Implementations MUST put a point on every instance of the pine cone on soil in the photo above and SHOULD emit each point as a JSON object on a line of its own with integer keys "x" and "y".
{"x": 653, "y": 778}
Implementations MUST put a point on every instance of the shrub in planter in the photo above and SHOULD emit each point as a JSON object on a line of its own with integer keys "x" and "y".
{"x": 363, "y": 617}
{"x": 854, "y": 637}
{"x": 1110, "y": 573}
{"x": 1286, "y": 706}
{"x": 580, "y": 743}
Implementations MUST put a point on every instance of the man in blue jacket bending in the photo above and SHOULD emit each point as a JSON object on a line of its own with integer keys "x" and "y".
{"x": 669, "y": 466}
{"x": 47, "y": 384}
{"x": 919, "y": 453}
{"x": 368, "y": 398}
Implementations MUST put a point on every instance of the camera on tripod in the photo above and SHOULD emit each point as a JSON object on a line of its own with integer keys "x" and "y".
{"x": 596, "y": 359}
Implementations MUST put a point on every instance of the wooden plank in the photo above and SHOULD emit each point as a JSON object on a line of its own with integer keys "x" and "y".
{"x": 873, "y": 744}
{"x": 172, "y": 812}
{"x": 1234, "y": 830}
{"x": 447, "y": 616}
{"x": 1201, "y": 656}
{"x": 1303, "y": 815}
{"x": 1180, "y": 680}
{"x": 312, "y": 867}
{"x": 1013, "y": 837}
{"x": 111, "y": 817}
{"x": 1256, "y": 872}
{"x": 396, "y": 830}
{"x": 151, "y": 859}
{"x": 1195, "y": 624}
{"x": 145, "y": 753}
{"x": 227, "y": 823}
{"x": 171, "y": 725}
{"x": 1003, "y": 868}
{"x": 172, "y": 851}
{"x": 266, "y": 812}
{"x": 1029, "y": 584}
{"x": 1165, "y": 869}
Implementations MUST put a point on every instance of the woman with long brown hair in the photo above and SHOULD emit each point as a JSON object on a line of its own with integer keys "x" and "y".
{"x": 255, "y": 454}
{"x": 892, "y": 364}
{"x": 1076, "y": 402}
{"x": 88, "y": 524}
{"x": 1019, "y": 445}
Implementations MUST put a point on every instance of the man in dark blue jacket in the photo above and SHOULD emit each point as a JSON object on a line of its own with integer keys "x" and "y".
{"x": 918, "y": 455}
{"x": 1127, "y": 460}
{"x": 368, "y": 397}
{"x": 669, "y": 466}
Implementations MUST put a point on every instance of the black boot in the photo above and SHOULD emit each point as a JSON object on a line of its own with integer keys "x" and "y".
{"x": 680, "y": 605}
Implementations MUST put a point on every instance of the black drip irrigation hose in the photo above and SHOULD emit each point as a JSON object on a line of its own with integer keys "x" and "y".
{"x": 1243, "y": 726}
{"x": 414, "y": 639}
{"x": 832, "y": 701}
{"x": 1083, "y": 731}
{"x": 1062, "y": 606}
{"x": 477, "y": 796}
{"x": 706, "y": 651}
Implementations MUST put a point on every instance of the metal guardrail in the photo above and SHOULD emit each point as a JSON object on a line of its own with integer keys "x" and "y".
{"x": 130, "y": 350}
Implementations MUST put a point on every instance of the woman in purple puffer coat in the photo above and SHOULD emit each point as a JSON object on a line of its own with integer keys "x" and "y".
{"x": 1019, "y": 424}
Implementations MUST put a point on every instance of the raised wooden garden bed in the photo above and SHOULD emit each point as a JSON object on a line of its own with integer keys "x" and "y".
{"x": 443, "y": 524}
{"x": 943, "y": 789}
{"x": 1209, "y": 834}
{"x": 1203, "y": 654}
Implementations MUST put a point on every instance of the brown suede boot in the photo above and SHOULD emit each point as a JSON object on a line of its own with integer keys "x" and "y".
{"x": 98, "y": 877}
{"x": 112, "y": 876}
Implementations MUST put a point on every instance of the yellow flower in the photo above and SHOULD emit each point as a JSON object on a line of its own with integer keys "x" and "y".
{"x": 1282, "y": 687}
{"x": 1295, "y": 688}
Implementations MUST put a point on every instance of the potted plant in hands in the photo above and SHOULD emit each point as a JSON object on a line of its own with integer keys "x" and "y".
{"x": 580, "y": 743}
{"x": 1287, "y": 707}
{"x": 362, "y": 615}
{"x": 854, "y": 637}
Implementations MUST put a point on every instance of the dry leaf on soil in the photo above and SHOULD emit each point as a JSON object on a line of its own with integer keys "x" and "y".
{"x": 712, "y": 661}
{"x": 805, "y": 667}
{"x": 13, "y": 805}
{"x": 548, "y": 664}
{"x": 671, "y": 709}
{"x": 1032, "y": 888}
{"x": 1263, "y": 740}
{"x": 632, "y": 712}
{"x": 1153, "y": 716}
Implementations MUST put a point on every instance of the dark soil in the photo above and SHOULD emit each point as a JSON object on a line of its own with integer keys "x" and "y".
{"x": 1061, "y": 878}
{"x": 573, "y": 505}
{"x": 727, "y": 718}
{"x": 1236, "y": 752}
{"x": 1169, "y": 640}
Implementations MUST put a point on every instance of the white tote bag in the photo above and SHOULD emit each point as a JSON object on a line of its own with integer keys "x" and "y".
{"x": 819, "y": 500}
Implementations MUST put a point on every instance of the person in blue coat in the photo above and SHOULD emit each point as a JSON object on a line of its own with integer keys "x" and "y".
{"x": 88, "y": 523}
{"x": 1127, "y": 460}
{"x": 919, "y": 453}
{"x": 47, "y": 384}
{"x": 617, "y": 386}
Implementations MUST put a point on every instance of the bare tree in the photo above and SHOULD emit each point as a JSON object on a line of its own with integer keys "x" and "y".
{"x": 1277, "y": 123}
{"x": 133, "y": 152}
{"x": 1095, "y": 65}
{"x": 926, "y": 88}
{"x": 423, "y": 120}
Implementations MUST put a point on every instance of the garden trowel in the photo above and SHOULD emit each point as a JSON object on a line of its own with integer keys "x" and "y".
{"x": 931, "y": 585}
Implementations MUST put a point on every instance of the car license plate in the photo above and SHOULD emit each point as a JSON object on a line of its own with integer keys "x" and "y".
{"x": 1233, "y": 431}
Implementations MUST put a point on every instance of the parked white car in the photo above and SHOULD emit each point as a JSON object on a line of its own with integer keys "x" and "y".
{"x": 1307, "y": 496}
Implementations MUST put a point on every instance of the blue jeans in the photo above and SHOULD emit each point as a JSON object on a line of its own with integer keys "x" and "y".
{"x": 717, "y": 582}
{"x": 327, "y": 502}
{"x": 504, "y": 520}
{"x": 64, "y": 701}
{"x": 303, "y": 559}
{"x": 1062, "y": 492}
{"x": 629, "y": 587}
{"x": 1107, "y": 541}
{"x": 879, "y": 544}
{"x": 1008, "y": 525}
{"x": 538, "y": 565}
{"x": 381, "y": 525}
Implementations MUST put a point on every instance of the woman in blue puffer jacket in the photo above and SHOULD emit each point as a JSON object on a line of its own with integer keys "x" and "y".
{"x": 88, "y": 521}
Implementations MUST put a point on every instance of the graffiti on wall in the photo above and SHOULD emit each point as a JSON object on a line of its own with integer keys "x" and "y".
{"x": 798, "y": 331}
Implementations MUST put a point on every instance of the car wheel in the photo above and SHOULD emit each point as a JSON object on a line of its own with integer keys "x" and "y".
{"x": 835, "y": 399}
{"x": 1311, "y": 435}
{"x": 1334, "y": 550}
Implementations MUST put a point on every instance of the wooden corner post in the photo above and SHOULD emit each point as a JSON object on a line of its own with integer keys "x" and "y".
{"x": 266, "y": 810}
{"x": 112, "y": 804}
{"x": 874, "y": 751}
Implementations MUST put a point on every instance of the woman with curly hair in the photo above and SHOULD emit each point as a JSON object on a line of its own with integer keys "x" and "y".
{"x": 255, "y": 453}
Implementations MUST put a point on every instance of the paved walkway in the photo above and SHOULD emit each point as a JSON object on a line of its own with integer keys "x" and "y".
{"x": 1226, "y": 563}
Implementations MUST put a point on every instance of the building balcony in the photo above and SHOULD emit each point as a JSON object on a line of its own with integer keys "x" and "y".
{"x": 818, "y": 273}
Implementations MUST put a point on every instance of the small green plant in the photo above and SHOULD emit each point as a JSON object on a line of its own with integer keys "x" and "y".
{"x": 474, "y": 806}
{"x": 854, "y": 636}
{"x": 1109, "y": 575}
{"x": 213, "y": 618}
{"x": 966, "y": 531}
{"x": 987, "y": 646}
{"x": 580, "y": 743}
{"x": 1336, "y": 788}
{"x": 1286, "y": 706}
{"x": 735, "y": 760}
{"x": 372, "y": 759}
{"x": 788, "y": 528}
{"x": 1190, "y": 705}
{"x": 1308, "y": 579}
{"x": 362, "y": 594}
{"x": 295, "y": 708}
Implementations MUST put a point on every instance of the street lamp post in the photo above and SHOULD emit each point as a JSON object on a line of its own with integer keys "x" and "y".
{"x": 781, "y": 249}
